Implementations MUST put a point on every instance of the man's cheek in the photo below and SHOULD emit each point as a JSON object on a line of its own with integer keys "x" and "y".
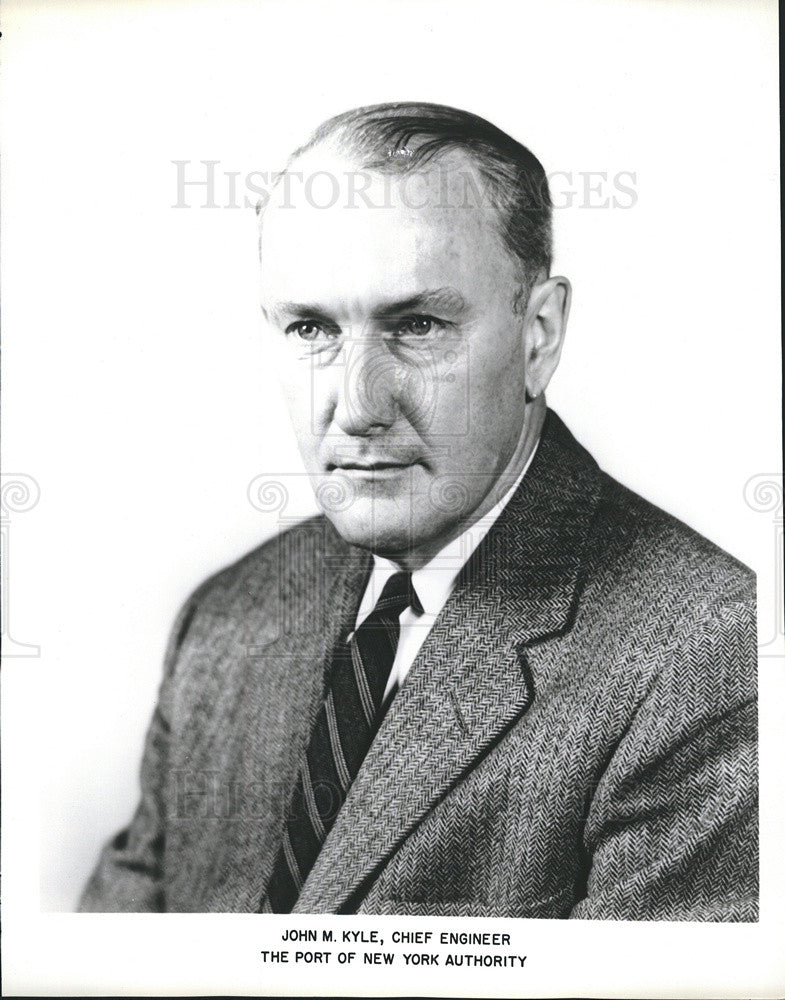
{"x": 310, "y": 451}
{"x": 446, "y": 419}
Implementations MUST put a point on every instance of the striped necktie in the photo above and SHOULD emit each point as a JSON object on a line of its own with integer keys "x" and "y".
{"x": 344, "y": 730}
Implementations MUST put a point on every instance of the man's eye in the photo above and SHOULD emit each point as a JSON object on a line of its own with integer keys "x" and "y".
{"x": 309, "y": 330}
{"x": 417, "y": 326}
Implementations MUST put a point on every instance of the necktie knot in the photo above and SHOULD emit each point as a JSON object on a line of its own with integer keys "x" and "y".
{"x": 397, "y": 594}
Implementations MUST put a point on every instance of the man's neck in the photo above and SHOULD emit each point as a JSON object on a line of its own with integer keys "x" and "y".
{"x": 415, "y": 559}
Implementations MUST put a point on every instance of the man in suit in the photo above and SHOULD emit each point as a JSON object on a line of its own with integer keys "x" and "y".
{"x": 489, "y": 681}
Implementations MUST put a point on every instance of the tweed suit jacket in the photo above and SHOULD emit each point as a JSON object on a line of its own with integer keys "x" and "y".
{"x": 576, "y": 737}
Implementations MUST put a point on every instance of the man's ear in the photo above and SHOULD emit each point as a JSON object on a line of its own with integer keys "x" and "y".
{"x": 545, "y": 325}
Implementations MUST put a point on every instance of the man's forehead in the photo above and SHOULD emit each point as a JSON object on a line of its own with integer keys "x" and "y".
{"x": 422, "y": 281}
{"x": 316, "y": 177}
{"x": 325, "y": 193}
{"x": 338, "y": 225}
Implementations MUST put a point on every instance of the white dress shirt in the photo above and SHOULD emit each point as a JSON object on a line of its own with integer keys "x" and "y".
{"x": 433, "y": 584}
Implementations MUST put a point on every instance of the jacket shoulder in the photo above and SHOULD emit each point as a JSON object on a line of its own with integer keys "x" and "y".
{"x": 297, "y": 550}
{"x": 640, "y": 538}
{"x": 256, "y": 578}
{"x": 633, "y": 545}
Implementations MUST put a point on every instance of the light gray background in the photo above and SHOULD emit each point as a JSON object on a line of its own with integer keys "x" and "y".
{"x": 140, "y": 397}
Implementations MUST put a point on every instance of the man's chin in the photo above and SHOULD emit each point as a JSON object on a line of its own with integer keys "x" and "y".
{"x": 370, "y": 529}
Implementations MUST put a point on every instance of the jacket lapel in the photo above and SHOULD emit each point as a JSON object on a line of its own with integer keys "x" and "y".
{"x": 288, "y": 641}
{"x": 470, "y": 682}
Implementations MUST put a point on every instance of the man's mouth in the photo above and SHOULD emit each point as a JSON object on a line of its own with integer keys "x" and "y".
{"x": 371, "y": 467}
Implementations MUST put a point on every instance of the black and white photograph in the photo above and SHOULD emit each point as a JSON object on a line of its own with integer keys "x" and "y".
{"x": 392, "y": 499}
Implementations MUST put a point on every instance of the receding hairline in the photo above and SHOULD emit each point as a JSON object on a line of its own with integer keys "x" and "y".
{"x": 453, "y": 160}
{"x": 406, "y": 137}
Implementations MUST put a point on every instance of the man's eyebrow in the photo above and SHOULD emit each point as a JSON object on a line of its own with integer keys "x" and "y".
{"x": 302, "y": 309}
{"x": 445, "y": 299}
{"x": 429, "y": 300}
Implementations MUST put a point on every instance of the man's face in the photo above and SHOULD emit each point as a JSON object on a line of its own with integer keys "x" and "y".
{"x": 402, "y": 359}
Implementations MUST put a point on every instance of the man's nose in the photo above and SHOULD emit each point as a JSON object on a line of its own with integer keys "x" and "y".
{"x": 366, "y": 387}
